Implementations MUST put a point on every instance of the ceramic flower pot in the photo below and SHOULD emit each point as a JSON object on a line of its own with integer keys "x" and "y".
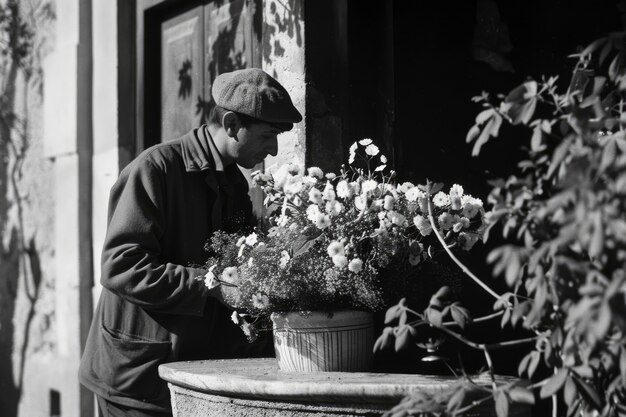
{"x": 322, "y": 341}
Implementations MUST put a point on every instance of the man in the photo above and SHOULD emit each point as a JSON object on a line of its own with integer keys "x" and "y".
{"x": 154, "y": 307}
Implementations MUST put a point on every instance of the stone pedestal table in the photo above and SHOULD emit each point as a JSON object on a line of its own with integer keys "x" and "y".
{"x": 256, "y": 387}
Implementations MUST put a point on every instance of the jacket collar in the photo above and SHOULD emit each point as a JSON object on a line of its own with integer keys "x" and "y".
{"x": 198, "y": 157}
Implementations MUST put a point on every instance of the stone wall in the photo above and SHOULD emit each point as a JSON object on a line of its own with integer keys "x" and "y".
{"x": 283, "y": 57}
{"x": 27, "y": 280}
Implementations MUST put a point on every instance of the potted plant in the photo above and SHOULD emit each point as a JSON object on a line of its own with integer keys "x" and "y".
{"x": 314, "y": 269}
{"x": 564, "y": 214}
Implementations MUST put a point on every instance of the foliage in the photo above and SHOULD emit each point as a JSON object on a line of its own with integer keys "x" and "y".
{"x": 564, "y": 217}
{"x": 329, "y": 236}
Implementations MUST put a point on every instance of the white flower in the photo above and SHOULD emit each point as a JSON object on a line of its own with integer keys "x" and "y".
{"x": 335, "y": 248}
{"x": 294, "y": 169}
{"x": 322, "y": 221}
{"x": 282, "y": 220}
{"x": 360, "y": 203}
{"x": 294, "y": 185}
{"x": 280, "y": 177}
{"x": 413, "y": 193}
{"x": 235, "y": 317}
{"x": 383, "y": 159}
{"x": 230, "y": 274}
{"x": 315, "y": 172}
{"x": 297, "y": 201}
{"x": 352, "y": 152}
{"x": 470, "y": 210}
{"x": 334, "y": 208}
{"x": 423, "y": 225}
{"x": 405, "y": 187}
{"x": 312, "y": 211}
{"x": 252, "y": 239}
{"x": 329, "y": 192}
{"x": 315, "y": 196}
{"x": 331, "y": 176}
{"x": 441, "y": 199}
{"x": 309, "y": 181}
{"x": 456, "y": 189}
{"x": 369, "y": 185}
{"x": 210, "y": 280}
{"x": 340, "y": 261}
{"x": 355, "y": 265}
{"x": 284, "y": 259}
{"x": 463, "y": 223}
{"x": 455, "y": 202}
{"x": 389, "y": 202}
{"x": 371, "y": 150}
{"x": 365, "y": 142}
{"x": 446, "y": 221}
{"x": 241, "y": 241}
{"x": 260, "y": 301}
{"x": 343, "y": 189}
{"x": 397, "y": 218}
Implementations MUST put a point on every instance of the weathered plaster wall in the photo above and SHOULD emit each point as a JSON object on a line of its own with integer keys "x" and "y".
{"x": 27, "y": 280}
{"x": 105, "y": 123}
{"x": 283, "y": 57}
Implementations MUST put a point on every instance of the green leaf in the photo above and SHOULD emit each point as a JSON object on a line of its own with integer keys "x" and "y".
{"x": 569, "y": 391}
{"x": 393, "y": 313}
{"x": 484, "y": 115}
{"x": 558, "y": 156}
{"x": 472, "y": 134}
{"x": 523, "y": 365}
{"x": 609, "y": 153}
{"x": 596, "y": 245}
{"x": 483, "y": 138}
{"x": 513, "y": 269}
{"x": 588, "y": 392}
{"x": 385, "y": 340}
{"x": 535, "y": 141}
{"x": 403, "y": 337}
{"x": 522, "y": 395}
{"x": 505, "y": 317}
{"x": 434, "y": 316}
{"x": 554, "y": 384}
{"x": 502, "y": 404}
{"x": 593, "y": 46}
{"x": 534, "y": 361}
{"x": 460, "y": 315}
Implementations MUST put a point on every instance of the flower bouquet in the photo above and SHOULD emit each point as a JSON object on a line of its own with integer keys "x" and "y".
{"x": 325, "y": 240}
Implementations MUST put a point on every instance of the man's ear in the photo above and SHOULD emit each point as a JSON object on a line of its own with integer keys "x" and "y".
{"x": 231, "y": 124}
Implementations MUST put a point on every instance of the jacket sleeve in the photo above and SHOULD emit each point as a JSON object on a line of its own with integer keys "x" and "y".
{"x": 131, "y": 267}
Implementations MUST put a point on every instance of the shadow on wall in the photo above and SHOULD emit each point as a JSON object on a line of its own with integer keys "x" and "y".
{"x": 20, "y": 269}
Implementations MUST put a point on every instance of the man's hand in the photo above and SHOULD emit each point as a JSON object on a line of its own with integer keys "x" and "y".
{"x": 225, "y": 290}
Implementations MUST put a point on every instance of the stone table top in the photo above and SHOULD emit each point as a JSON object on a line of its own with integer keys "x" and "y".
{"x": 261, "y": 379}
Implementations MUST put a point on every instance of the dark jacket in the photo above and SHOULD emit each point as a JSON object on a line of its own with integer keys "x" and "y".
{"x": 154, "y": 306}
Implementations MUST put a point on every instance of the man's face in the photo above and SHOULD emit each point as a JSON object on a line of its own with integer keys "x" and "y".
{"x": 254, "y": 143}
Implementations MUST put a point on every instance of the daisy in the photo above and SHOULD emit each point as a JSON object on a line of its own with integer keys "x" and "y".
{"x": 355, "y": 265}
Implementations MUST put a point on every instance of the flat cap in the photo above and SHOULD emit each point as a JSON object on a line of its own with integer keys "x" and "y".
{"x": 255, "y": 93}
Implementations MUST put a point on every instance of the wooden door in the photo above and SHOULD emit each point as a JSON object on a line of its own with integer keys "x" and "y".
{"x": 182, "y": 73}
{"x": 196, "y": 46}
